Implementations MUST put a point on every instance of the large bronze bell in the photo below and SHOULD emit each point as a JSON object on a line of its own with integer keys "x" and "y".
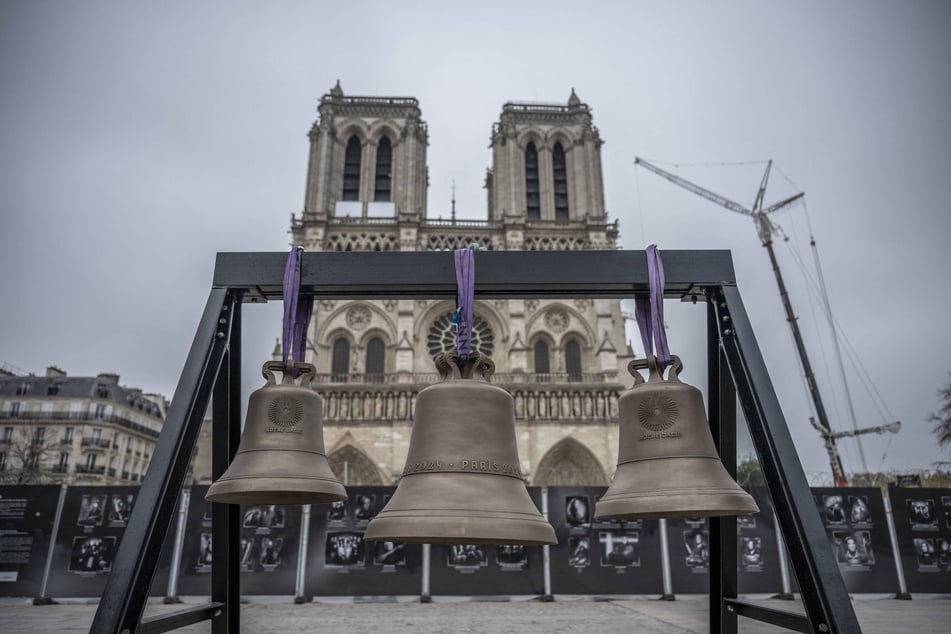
{"x": 668, "y": 465}
{"x": 281, "y": 457}
{"x": 462, "y": 483}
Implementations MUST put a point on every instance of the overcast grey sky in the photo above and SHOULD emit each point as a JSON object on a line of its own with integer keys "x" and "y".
{"x": 138, "y": 140}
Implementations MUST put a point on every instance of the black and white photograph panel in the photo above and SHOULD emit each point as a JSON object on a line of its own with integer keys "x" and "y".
{"x": 620, "y": 548}
{"x": 337, "y": 511}
{"x": 92, "y": 509}
{"x": 204, "y": 552}
{"x": 578, "y": 555}
{"x": 467, "y": 555}
{"x": 853, "y": 548}
{"x": 345, "y": 549}
{"x": 834, "y": 509}
{"x": 267, "y": 516}
{"x": 364, "y": 507}
{"x": 924, "y": 549}
{"x": 697, "y": 545}
{"x": 751, "y": 553}
{"x": 120, "y": 507}
{"x": 92, "y": 554}
{"x": 946, "y": 504}
{"x": 577, "y": 510}
{"x": 271, "y": 548}
{"x": 921, "y": 514}
{"x": 859, "y": 513}
{"x": 389, "y": 554}
{"x": 511, "y": 556}
{"x": 944, "y": 552}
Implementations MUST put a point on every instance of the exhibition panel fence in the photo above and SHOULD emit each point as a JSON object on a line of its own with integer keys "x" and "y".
{"x": 59, "y": 542}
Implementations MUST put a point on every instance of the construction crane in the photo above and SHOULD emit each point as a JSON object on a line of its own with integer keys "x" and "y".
{"x": 765, "y": 228}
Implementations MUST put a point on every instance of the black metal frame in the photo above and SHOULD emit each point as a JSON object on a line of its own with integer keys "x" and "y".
{"x": 735, "y": 365}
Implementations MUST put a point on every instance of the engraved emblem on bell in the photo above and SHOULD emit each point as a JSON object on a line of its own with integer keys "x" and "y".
{"x": 285, "y": 412}
{"x": 667, "y": 471}
{"x": 657, "y": 413}
{"x": 462, "y": 483}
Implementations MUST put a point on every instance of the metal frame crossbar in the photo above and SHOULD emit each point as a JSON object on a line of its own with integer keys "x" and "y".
{"x": 212, "y": 373}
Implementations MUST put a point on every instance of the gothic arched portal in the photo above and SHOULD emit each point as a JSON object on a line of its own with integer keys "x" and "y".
{"x": 360, "y": 470}
{"x": 569, "y": 463}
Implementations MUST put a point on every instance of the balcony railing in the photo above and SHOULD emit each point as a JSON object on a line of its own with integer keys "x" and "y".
{"x": 502, "y": 378}
{"x": 111, "y": 473}
{"x": 84, "y": 416}
{"x": 81, "y": 468}
{"x": 96, "y": 443}
{"x": 61, "y": 468}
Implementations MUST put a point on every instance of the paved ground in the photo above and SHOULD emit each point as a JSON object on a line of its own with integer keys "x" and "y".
{"x": 885, "y": 616}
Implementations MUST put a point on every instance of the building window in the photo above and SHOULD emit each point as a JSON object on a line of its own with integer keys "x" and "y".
{"x": 376, "y": 358}
{"x": 23, "y": 389}
{"x": 32, "y": 462}
{"x": 384, "y": 170}
{"x": 340, "y": 362}
{"x": 560, "y": 172}
{"x": 15, "y": 409}
{"x": 68, "y": 435}
{"x": 351, "y": 170}
{"x": 96, "y": 434}
{"x": 100, "y": 411}
{"x": 40, "y": 434}
{"x": 90, "y": 461}
{"x": 533, "y": 209}
{"x": 63, "y": 461}
{"x": 573, "y": 360}
{"x": 542, "y": 365}
{"x": 7, "y": 434}
{"x": 3, "y": 461}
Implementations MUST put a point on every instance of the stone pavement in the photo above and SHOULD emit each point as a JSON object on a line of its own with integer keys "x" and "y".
{"x": 688, "y": 614}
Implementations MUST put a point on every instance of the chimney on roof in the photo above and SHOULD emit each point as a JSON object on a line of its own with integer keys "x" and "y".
{"x": 108, "y": 377}
{"x": 52, "y": 372}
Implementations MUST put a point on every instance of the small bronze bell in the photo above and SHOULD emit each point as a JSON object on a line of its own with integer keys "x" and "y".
{"x": 462, "y": 483}
{"x": 668, "y": 465}
{"x": 281, "y": 458}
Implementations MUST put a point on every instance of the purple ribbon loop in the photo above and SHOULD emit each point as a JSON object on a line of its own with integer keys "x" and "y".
{"x": 649, "y": 311}
{"x": 465, "y": 293}
{"x": 297, "y": 312}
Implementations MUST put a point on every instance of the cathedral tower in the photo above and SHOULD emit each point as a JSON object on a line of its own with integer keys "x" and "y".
{"x": 562, "y": 361}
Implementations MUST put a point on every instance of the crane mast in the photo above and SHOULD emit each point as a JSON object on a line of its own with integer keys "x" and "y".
{"x": 764, "y": 228}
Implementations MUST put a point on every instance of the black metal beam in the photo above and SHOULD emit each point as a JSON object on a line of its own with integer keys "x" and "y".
{"x": 823, "y": 589}
{"x": 781, "y": 618}
{"x": 226, "y": 518}
{"x": 123, "y": 600}
{"x": 499, "y": 274}
{"x": 721, "y": 397}
{"x": 181, "y": 618}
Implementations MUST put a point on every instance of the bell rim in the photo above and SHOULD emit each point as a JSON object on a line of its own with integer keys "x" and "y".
{"x": 276, "y": 490}
{"x": 448, "y": 530}
{"x": 670, "y": 504}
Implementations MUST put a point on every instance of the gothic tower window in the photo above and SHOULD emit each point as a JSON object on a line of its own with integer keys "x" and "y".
{"x": 542, "y": 365}
{"x": 533, "y": 207}
{"x": 560, "y": 171}
{"x": 573, "y": 360}
{"x": 384, "y": 169}
{"x": 340, "y": 361}
{"x": 351, "y": 170}
{"x": 376, "y": 356}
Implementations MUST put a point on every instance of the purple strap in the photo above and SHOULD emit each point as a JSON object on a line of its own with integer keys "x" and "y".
{"x": 297, "y": 312}
{"x": 650, "y": 311}
{"x": 465, "y": 293}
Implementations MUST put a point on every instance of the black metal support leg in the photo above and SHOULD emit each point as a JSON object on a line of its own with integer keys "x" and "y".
{"x": 127, "y": 589}
{"x": 823, "y": 590}
{"x": 721, "y": 397}
{"x": 226, "y": 518}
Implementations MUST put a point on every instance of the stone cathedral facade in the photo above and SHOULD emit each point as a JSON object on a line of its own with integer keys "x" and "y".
{"x": 563, "y": 362}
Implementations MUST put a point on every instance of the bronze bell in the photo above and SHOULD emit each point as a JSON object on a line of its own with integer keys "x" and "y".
{"x": 462, "y": 483}
{"x": 281, "y": 457}
{"x": 668, "y": 465}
